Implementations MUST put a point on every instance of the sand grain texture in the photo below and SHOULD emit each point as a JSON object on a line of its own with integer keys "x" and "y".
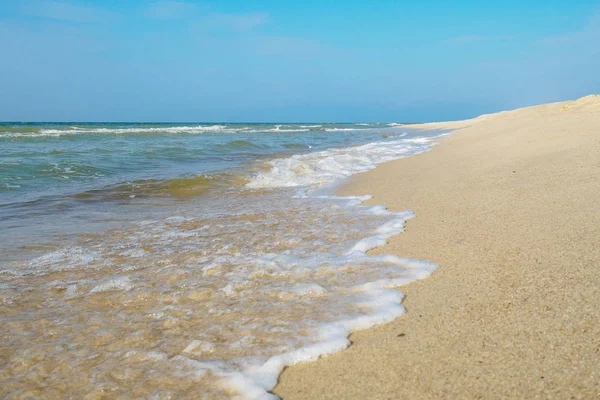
{"x": 509, "y": 207}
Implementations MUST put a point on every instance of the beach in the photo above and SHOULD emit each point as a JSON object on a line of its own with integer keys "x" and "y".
{"x": 507, "y": 206}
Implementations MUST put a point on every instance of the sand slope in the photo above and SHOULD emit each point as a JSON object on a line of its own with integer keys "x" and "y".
{"x": 509, "y": 206}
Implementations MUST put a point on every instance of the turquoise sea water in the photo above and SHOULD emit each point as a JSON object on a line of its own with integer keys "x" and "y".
{"x": 45, "y": 160}
{"x": 188, "y": 260}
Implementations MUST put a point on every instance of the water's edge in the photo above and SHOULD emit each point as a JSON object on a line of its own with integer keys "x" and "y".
{"x": 258, "y": 383}
{"x": 392, "y": 289}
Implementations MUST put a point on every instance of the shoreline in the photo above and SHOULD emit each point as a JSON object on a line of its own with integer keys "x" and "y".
{"x": 506, "y": 206}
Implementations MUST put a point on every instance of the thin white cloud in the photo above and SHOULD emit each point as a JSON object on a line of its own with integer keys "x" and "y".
{"x": 287, "y": 47}
{"x": 238, "y": 22}
{"x": 477, "y": 38}
{"x": 66, "y": 11}
{"x": 170, "y": 10}
{"x": 589, "y": 35}
{"x": 179, "y": 10}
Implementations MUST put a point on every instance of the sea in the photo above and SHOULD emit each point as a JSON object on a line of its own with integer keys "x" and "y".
{"x": 189, "y": 261}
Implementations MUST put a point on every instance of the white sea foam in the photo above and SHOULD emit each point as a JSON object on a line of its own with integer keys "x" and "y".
{"x": 117, "y": 283}
{"x": 279, "y": 129}
{"x": 333, "y": 164}
{"x": 74, "y": 130}
{"x": 341, "y": 129}
{"x": 141, "y": 129}
{"x": 63, "y": 259}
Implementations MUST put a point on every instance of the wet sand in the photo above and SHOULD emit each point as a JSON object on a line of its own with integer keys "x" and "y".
{"x": 509, "y": 207}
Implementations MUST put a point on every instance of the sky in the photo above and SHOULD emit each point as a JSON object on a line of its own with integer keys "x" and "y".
{"x": 292, "y": 61}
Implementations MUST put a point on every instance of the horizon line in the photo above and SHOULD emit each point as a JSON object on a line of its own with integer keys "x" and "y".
{"x": 208, "y": 122}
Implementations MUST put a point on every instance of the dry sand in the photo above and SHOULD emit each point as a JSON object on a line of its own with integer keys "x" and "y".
{"x": 509, "y": 207}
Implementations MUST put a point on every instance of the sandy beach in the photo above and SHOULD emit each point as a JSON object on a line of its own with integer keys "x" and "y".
{"x": 509, "y": 207}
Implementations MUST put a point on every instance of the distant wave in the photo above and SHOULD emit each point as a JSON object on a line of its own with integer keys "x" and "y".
{"x": 341, "y": 129}
{"x": 82, "y": 129}
{"x": 278, "y": 129}
{"x": 75, "y": 130}
{"x": 120, "y": 131}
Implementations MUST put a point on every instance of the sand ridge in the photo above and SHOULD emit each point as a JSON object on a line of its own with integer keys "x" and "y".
{"x": 508, "y": 206}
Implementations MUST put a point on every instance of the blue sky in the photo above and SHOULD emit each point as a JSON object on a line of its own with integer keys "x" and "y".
{"x": 290, "y": 60}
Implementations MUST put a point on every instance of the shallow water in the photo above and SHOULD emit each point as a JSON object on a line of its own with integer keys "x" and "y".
{"x": 174, "y": 285}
